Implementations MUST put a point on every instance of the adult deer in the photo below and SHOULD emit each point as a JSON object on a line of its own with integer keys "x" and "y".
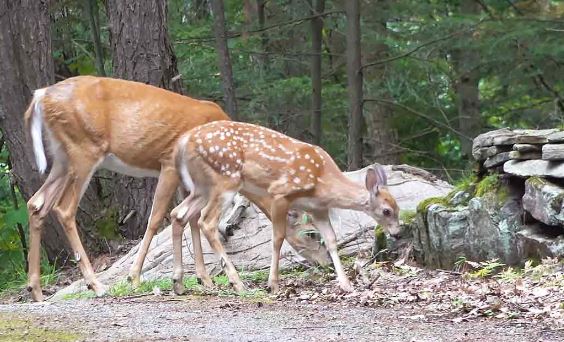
{"x": 218, "y": 159}
{"x": 92, "y": 123}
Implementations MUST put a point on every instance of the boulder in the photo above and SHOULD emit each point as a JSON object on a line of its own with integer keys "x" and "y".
{"x": 528, "y": 168}
{"x": 483, "y": 229}
{"x": 553, "y": 152}
{"x": 439, "y": 236}
{"x": 544, "y": 200}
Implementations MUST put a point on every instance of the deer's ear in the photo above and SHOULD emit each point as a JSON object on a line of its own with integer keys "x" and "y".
{"x": 375, "y": 177}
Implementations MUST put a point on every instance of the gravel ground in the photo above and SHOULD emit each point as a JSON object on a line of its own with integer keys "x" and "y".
{"x": 191, "y": 318}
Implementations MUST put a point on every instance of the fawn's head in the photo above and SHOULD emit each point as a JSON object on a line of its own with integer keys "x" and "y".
{"x": 383, "y": 206}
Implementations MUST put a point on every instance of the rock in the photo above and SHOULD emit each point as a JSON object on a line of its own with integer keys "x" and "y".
{"x": 538, "y": 132}
{"x": 544, "y": 201}
{"x": 526, "y": 147}
{"x": 528, "y": 168}
{"x": 482, "y": 230}
{"x": 496, "y": 160}
{"x": 519, "y": 139}
{"x": 556, "y": 137}
{"x": 485, "y": 152}
{"x": 491, "y": 228}
{"x": 553, "y": 152}
{"x": 535, "y": 243}
{"x": 486, "y": 139}
{"x": 443, "y": 242}
{"x": 517, "y": 155}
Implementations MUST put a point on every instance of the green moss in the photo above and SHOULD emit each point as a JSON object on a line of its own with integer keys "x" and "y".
{"x": 18, "y": 329}
{"x": 407, "y": 216}
{"x": 255, "y": 277}
{"x": 107, "y": 226}
{"x": 380, "y": 242}
{"x": 426, "y": 203}
{"x": 489, "y": 184}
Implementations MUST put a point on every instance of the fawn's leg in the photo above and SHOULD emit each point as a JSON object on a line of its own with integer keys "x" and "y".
{"x": 208, "y": 223}
{"x": 279, "y": 211}
{"x": 201, "y": 272}
{"x": 323, "y": 223}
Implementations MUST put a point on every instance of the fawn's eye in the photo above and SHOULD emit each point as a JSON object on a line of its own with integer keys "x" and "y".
{"x": 387, "y": 212}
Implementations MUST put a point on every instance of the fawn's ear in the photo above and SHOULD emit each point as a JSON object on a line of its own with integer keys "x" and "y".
{"x": 375, "y": 177}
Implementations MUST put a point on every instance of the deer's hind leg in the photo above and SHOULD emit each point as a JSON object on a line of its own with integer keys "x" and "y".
{"x": 208, "y": 222}
{"x": 39, "y": 206}
{"x": 79, "y": 173}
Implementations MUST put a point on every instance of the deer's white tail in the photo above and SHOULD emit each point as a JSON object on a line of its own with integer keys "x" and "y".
{"x": 36, "y": 130}
{"x": 182, "y": 164}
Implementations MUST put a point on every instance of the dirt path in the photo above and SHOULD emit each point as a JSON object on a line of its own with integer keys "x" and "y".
{"x": 191, "y": 318}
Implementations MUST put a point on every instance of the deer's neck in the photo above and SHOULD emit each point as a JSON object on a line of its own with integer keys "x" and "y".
{"x": 346, "y": 194}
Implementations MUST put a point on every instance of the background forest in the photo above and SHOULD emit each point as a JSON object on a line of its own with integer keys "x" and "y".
{"x": 376, "y": 80}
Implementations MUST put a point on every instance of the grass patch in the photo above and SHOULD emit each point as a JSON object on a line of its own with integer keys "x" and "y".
{"x": 256, "y": 277}
{"x": 17, "y": 329}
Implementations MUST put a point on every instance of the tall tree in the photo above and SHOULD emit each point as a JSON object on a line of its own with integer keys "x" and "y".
{"x": 224, "y": 60}
{"x": 25, "y": 65}
{"x": 317, "y": 7}
{"x": 380, "y": 142}
{"x": 466, "y": 60}
{"x": 141, "y": 51}
{"x": 91, "y": 9}
{"x": 354, "y": 78}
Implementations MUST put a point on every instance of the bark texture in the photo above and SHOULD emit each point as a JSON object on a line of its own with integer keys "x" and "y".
{"x": 25, "y": 65}
{"x": 380, "y": 143}
{"x": 91, "y": 9}
{"x": 466, "y": 61}
{"x": 354, "y": 77}
{"x": 318, "y": 6}
{"x": 223, "y": 58}
{"x": 141, "y": 51}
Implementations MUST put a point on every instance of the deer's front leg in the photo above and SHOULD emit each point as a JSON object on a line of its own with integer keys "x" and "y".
{"x": 323, "y": 223}
{"x": 168, "y": 182}
{"x": 279, "y": 212}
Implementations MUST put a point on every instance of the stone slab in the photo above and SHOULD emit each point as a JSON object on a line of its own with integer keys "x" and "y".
{"x": 519, "y": 139}
{"x": 496, "y": 160}
{"x": 525, "y": 155}
{"x": 527, "y": 147}
{"x": 535, "y": 243}
{"x": 544, "y": 200}
{"x": 556, "y": 137}
{"x": 528, "y": 168}
{"x": 553, "y": 152}
{"x": 485, "y": 152}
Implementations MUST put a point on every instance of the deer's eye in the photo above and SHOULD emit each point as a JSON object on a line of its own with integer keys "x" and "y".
{"x": 387, "y": 212}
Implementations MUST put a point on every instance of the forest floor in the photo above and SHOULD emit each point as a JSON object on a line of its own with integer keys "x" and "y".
{"x": 391, "y": 302}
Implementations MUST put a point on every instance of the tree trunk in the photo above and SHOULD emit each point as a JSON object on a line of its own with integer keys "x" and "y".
{"x": 91, "y": 7}
{"x": 223, "y": 58}
{"x": 25, "y": 65}
{"x": 466, "y": 61}
{"x": 380, "y": 143}
{"x": 141, "y": 51}
{"x": 261, "y": 5}
{"x": 354, "y": 78}
{"x": 316, "y": 60}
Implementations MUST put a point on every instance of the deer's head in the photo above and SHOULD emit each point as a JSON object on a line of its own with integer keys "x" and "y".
{"x": 383, "y": 206}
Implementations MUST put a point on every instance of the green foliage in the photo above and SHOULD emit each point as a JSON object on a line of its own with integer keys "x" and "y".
{"x": 17, "y": 329}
